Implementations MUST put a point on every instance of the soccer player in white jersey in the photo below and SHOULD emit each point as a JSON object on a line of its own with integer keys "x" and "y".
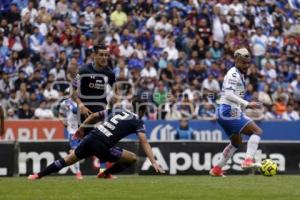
{"x": 231, "y": 116}
{"x": 68, "y": 111}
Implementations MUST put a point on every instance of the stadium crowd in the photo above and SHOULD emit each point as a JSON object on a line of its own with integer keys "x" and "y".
{"x": 174, "y": 53}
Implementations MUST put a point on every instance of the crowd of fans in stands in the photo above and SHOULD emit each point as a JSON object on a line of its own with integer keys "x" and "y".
{"x": 174, "y": 53}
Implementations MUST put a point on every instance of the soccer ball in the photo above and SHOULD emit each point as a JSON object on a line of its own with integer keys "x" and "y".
{"x": 268, "y": 167}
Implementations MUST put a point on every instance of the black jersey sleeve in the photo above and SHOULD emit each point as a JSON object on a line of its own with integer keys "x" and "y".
{"x": 140, "y": 126}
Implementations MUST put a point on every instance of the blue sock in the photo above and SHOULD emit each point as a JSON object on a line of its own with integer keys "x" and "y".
{"x": 54, "y": 167}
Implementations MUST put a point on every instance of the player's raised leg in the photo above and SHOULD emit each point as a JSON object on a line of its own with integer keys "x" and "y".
{"x": 82, "y": 151}
{"x": 254, "y": 132}
{"x": 229, "y": 150}
{"x": 56, "y": 166}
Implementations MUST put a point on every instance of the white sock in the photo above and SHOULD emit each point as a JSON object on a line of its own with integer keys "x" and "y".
{"x": 227, "y": 153}
{"x": 252, "y": 146}
{"x": 77, "y": 167}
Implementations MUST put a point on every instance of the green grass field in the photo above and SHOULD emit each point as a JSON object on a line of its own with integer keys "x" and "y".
{"x": 153, "y": 188}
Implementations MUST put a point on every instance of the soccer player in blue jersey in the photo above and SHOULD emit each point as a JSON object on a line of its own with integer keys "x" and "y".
{"x": 231, "y": 116}
{"x": 117, "y": 123}
{"x": 92, "y": 83}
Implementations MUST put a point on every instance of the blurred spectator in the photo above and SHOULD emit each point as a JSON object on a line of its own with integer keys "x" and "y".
{"x": 25, "y": 111}
{"x": 49, "y": 51}
{"x": 186, "y": 107}
{"x": 42, "y": 112}
{"x": 184, "y": 132}
{"x": 272, "y": 114}
{"x": 61, "y": 8}
{"x": 291, "y": 49}
{"x": 4, "y": 51}
{"x": 50, "y": 93}
{"x": 122, "y": 69}
{"x": 160, "y": 94}
{"x": 48, "y": 4}
{"x": 21, "y": 79}
{"x": 58, "y": 72}
{"x": 295, "y": 88}
{"x": 11, "y": 115}
{"x": 216, "y": 51}
{"x": 149, "y": 71}
{"x": 89, "y": 16}
{"x": 134, "y": 62}
{"x": 210, "y": 86}
{"x": 280, "y": 105}
{"x": 126, "y": 49}
{"x": 172, "y": 51}
{"x": 290, "y": 114}
{"x": 22, "y": 93}
{"x": 13, "y": 101}
{"x": 259, "y": 45}
{"x": 31, "y": 10}
{"x": 118, "y": 17}
{"x": 264, "y": 97}
{"x": 167, "y": 75}
{"x": 220, "y": 26}
{"x": 36, "y": 41}
{"x": 206, "y": 111}
{"x": 198, "y": 73}
{"x": 6, "y": 85}
{"x": 33, "y": 100}
{"x": 13, "y": 15}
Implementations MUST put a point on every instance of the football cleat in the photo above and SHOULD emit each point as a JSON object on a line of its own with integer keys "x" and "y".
{"x": 33, "y": 177}
{"x": 79, "y": 176}
{"x": 249, "y": 163}
{"x": 106, "y": 176}
{"x": 217, "y": 172}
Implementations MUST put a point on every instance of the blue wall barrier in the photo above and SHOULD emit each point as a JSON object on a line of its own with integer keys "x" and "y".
{"x": 160, "y": 130}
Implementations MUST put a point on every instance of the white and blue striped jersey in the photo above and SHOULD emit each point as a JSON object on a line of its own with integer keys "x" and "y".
{"x": 233, "y": 89}
{"x": 68, "y": 109}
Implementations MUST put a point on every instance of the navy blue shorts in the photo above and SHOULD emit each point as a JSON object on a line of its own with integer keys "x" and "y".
{"x": 91, "y": 145}
{"x": 232, "y": 120}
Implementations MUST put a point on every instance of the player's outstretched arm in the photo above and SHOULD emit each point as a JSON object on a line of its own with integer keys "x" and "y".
{"x": 92, "y": 119}
{"x": 148, "y": 151}
{"x": 1, "y": 121}
{"x": 229, "y": 95}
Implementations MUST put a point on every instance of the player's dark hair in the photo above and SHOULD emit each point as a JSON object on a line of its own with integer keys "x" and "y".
{"x": 100, "y": 46}
{"x": 139, "y": 106}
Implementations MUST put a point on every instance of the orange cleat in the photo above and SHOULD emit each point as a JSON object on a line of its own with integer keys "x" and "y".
{"x": 249, "y": 163}
{"x": 106, "y": 176}
{"x": 33, "y": 177}
{"x": 217, "y": 172}
{"x": 79, "y": 176}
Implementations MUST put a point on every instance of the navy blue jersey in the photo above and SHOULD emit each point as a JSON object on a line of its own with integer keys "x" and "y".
{"x": 91, "y": 85}
{"x": 117, "y": 124}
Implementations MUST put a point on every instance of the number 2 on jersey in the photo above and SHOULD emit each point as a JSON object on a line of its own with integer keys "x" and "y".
{"x": 117, "y": 117}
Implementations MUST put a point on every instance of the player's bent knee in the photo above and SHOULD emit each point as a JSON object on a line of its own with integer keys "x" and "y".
{"x": 133, "y": 158}
{"x": 128, "y": 157}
